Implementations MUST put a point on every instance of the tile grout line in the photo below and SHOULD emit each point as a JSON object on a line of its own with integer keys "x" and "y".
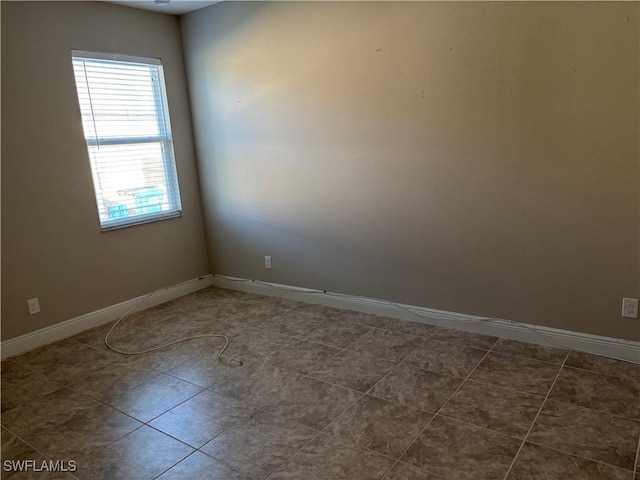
{"x": 636, "y": 466}
{"x": 318, "y": 432}
{"x": 535, "y": 419}
{"x": 99, "y": 403}
{"x": 570, "y": 454}
{"x": 422, "y": 338}
{"x": 397, "y": 364}
{"x": 314, "y": 437}
{"x": 199, "y": 449}
{"x": 32, "y": 446}
{"x": 371, "y": 327}
{"x": 169, "y": 468}
{"x": 403, "y": 362}
{"x": 439, "y": 409}
{"x": 322, "y": 431}
{"x": 604, "y": 374}
{"x": 361, "y": 395}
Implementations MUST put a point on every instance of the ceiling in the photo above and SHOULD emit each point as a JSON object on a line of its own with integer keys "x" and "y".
{"x": 173, "y": 7}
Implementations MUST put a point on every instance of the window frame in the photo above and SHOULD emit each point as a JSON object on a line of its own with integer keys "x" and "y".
{"x": 164, "y": 139}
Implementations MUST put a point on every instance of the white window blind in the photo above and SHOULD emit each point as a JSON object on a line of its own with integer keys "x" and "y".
{"x": 125, "y": 117}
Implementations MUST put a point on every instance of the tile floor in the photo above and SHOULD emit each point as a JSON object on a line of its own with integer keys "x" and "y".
{"x": 322, "y": 394}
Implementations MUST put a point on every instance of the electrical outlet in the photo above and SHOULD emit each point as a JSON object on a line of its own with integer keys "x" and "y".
{"x": 630, "y": 307}
{"x": 33, "y": 305}
{"x": 267, "y": 262}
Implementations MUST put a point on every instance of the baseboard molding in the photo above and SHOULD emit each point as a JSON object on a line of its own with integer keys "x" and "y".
{"x": 598, "y": 345}
{"x": 554, "y": 337}
{"x": 44, "y": 336}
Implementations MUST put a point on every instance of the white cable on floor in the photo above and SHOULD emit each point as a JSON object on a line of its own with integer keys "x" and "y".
{"x": 419, "y": 314}
{"x": 158, "y": 347}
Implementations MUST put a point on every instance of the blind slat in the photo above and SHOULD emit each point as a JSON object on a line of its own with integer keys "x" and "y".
{"x": 126, "y": 125}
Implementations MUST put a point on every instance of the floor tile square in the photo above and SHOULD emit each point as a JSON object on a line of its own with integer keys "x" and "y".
{"x": 13, "y": 448}
{"x": 316, "y": 309}
{"x": 185, "y": 325}
{"x": 461, "y": 337}
{"x": 205, "y": 371}
{"x": 609, "y": 366}
{"x": 530, "y": 350}
{"x": 149, "y": 317}
{"x": 143, "y": 454}
{"x": 617, "y": 395}
{"x": 517, "y": 373}
{"x": 134, "y": 339}
{"x": 199, "y": 466}
{"x": 257, "y": 385}
{"x": 353, "y": 370}
{"x": 201, "y": 418}
{"x": 336, "y": 333}
{"x": 404, "y": 326}
{"x": 167, "y": 358}
{"x": 67, "y": 360}
{"x": 535, "y": 462}
{"x": 446, "y": 358}
{"x": 109, "y": 381}
{"x": 90, "y": 429}
{"x": 94, "y": 337}
{"x": 402, "y": 471}
{"x": 416, "y": 388}
{"x": 299, "y": 355}
{"x": 256, "y": 314}
{"x": 153, "y": 397}
{"x": 504, "y": 411}
{"x": 278, "y": 302}
{"x": 386, "y": 344}
{"x": 20, "y": 385}
{"x": 53, "y": 409}
{"x": 210, "y": 307}
{"x": 313, "y": 403}
{"x": 385, "y": 427}
{"x": 255, "y": 343}
{"x": 292, "y": 323}
{"x": 329, "y": 458}
{"x": 161, "y": 308}
{"x": 260, "y": 444}
{"x": 361, "y": 318}
{"x": 587, "y": 433}
{"x": 227, "y": 294}
{"x": 461, "y": 451}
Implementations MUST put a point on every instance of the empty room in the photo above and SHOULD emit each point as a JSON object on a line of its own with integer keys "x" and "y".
{"x": 320, "y": 240}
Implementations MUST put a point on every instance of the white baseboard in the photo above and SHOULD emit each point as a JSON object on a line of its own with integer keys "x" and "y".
{"x": 599, "y": 345}
{"x": 44, "y": 336}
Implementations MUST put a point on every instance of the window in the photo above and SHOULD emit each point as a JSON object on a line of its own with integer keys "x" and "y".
{"x": 125, "y": 118}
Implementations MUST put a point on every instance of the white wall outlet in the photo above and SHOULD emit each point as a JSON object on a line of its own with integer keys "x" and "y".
{"x": 267, "y": 262}
{"x": 630, "y": 307}
{"x": 33, "y": 305}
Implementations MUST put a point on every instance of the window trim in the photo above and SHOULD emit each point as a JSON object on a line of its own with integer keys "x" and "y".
{"x": 164, "y": 139}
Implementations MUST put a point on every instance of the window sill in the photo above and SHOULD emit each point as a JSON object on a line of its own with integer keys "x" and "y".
{"x": 132, "y": 222}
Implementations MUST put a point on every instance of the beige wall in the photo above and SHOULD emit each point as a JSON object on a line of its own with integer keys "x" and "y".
{"x": 474, "y": 157}
{"x": 52, "y": 246}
